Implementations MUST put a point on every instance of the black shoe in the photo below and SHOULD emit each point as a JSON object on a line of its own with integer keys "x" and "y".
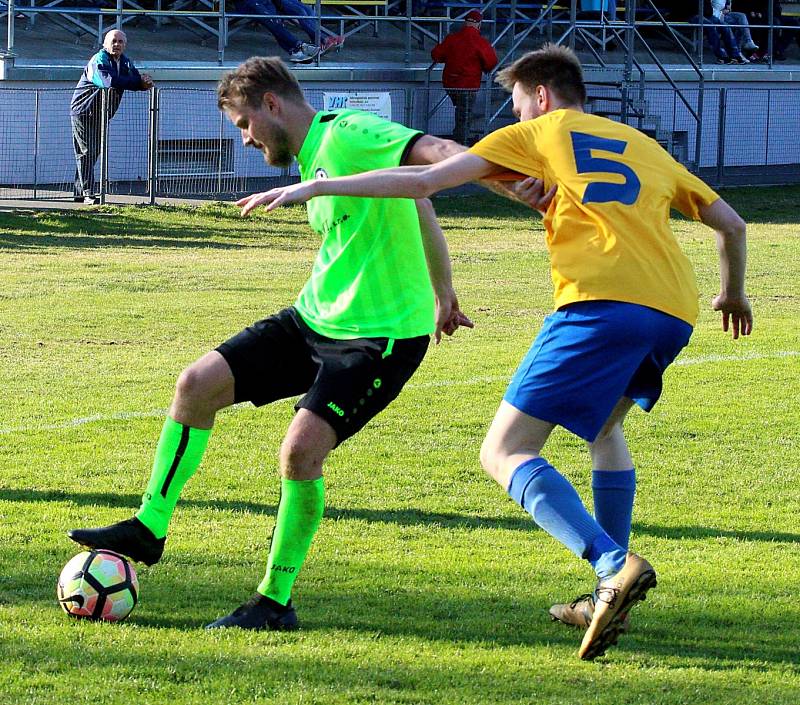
{"x": 258, "y": 613}
{"x": 130, "y": 538}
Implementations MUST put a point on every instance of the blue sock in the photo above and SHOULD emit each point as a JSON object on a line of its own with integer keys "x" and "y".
{"x": 613, "y": 502}
{"x": 555, "y": 506}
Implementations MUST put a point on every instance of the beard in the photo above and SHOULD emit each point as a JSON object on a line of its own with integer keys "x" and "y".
{"x": 278, "y": 152}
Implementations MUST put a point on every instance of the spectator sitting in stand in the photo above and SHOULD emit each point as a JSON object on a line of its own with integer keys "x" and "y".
{"x": 757, "y": 12}
{"x": 722, "y": 10}
{"x": 299, "y": 52}
{"x": 466, "y": 56}
{"x": 718, "y": 34}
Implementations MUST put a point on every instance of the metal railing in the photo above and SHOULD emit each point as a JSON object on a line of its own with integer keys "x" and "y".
{"x": 174, "y": 142}
{"x": 509, "y": 22}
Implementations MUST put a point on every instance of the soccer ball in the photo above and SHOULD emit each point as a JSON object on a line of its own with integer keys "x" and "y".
{"x": 98, "y": 584}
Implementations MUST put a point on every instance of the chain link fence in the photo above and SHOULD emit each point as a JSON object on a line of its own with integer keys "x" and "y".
{"x": 174, "y": 142}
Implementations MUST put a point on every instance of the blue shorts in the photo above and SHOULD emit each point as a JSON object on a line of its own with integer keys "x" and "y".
{"x": 590, "y": 354}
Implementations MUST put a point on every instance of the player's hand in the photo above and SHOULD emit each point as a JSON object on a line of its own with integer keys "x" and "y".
{"x": 531, "y": 191}
{"x": 736, "y": 314}
{"x": 449, "y": 316}
{"x": 147, "y": 80}
{"x": 281, "y": 196}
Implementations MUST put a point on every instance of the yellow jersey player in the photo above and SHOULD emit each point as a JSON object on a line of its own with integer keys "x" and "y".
{"x": 625, "y": 299}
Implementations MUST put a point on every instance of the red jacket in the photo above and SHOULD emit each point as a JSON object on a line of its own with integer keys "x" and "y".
{"x": 466, "y": 55}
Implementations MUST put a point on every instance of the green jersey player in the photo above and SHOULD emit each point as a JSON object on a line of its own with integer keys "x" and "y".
{"x": 380, "y": 285}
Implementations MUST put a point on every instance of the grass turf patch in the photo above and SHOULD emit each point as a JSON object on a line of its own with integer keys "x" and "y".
{"x": 425, "y": 583}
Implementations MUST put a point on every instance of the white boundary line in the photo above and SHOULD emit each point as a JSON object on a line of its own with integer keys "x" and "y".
{"x": 489, "y": 379}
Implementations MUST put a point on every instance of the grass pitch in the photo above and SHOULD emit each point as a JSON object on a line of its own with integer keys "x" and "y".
{"x": 425, "y": 584}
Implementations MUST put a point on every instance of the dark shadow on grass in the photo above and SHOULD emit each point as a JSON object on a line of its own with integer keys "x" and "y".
{"x": 401, "y": 517}
{"x": 99, "y": 229}
{"x": 701, "y": 532}
{"x": 704, "y": 636}
{"x": 30, "y": 242}
{"x": 434, "y": 615}
{"x": 766, "y": 205}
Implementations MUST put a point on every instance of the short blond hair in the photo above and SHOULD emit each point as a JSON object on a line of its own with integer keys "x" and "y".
{"x": 552, "y": 66}
{"x": 251, "y": 80}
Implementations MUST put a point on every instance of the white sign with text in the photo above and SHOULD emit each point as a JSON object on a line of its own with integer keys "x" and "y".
{"x": 377, "y": 103}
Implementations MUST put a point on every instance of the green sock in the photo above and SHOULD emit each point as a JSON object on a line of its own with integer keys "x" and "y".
{"x": 179, "y": 452}
{"x": 299, "y": 513}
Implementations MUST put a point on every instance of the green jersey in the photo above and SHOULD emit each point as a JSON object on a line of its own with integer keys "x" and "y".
{"x": 370, "y": 278}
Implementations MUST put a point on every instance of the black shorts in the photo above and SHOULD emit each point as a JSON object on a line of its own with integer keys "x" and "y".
{"x": 346, "y": 382}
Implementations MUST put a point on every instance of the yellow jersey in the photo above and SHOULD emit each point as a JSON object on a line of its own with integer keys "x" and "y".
{"x": 608, "y": 229}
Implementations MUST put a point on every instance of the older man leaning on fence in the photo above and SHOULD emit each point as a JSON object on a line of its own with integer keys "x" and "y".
{"x": 109, "y": 69}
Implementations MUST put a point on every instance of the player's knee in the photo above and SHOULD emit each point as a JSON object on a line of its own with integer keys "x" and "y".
{"x": 490, "y": 457}
{"x": 607, "y": 433}
{"x": 300, "y": 459}
{"x": 192, "y": 388}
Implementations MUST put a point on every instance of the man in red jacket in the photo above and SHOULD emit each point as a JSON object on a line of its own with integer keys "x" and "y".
{"x": 466, "y": 56}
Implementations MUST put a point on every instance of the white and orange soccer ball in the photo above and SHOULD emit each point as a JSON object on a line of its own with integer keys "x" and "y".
{"x": 98, "y": 584}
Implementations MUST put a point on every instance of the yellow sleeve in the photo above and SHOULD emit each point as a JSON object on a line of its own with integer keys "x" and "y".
{"x": 691, "y": 193}
{"x": 513, "y": 147}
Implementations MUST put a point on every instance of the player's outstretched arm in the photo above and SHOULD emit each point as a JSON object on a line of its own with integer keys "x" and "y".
{"x": 399, "y": 182}
{"x": 732, "y": 300}
{"x": 448, "y": 313}
{"x": 429, "y": 149}
{"x": 530, "y": 191}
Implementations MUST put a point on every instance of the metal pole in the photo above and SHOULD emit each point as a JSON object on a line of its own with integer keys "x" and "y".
{"x": 318, "y": 29}
{"x": 152, "y": 161}
{"x": 10, "y": 27}
{"x": 219, "y": 160}
{"x": 723, "y": 100}
{"x": 623, "y": 111}
{"x": 642, "y": 94}
{"x": 407, "y": 57}
{"x": 513, "y": 12}
{"x": 10, "y": 36}
{"x": 771, "y": 35}
{"x": 573, "y": 18}
{"x": 487, "y": 106}
{"x": 700, "y": 32}
{"x": 103, "y": 144}
{"x": 221, "y": 34}
{"x": 630, "y": 37}
{"x": 118, "y": 23}
{"x": 36, "y": 146}
{"x": 699, "y": 134}
{"x": 426, "y": 125}
{"x": 766, "y": 137}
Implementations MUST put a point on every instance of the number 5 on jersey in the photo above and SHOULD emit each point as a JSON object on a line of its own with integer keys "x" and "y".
{"x": 604, "y": 191}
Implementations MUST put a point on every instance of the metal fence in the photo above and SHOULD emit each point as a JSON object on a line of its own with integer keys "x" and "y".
{"x": 174, "y": 142}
